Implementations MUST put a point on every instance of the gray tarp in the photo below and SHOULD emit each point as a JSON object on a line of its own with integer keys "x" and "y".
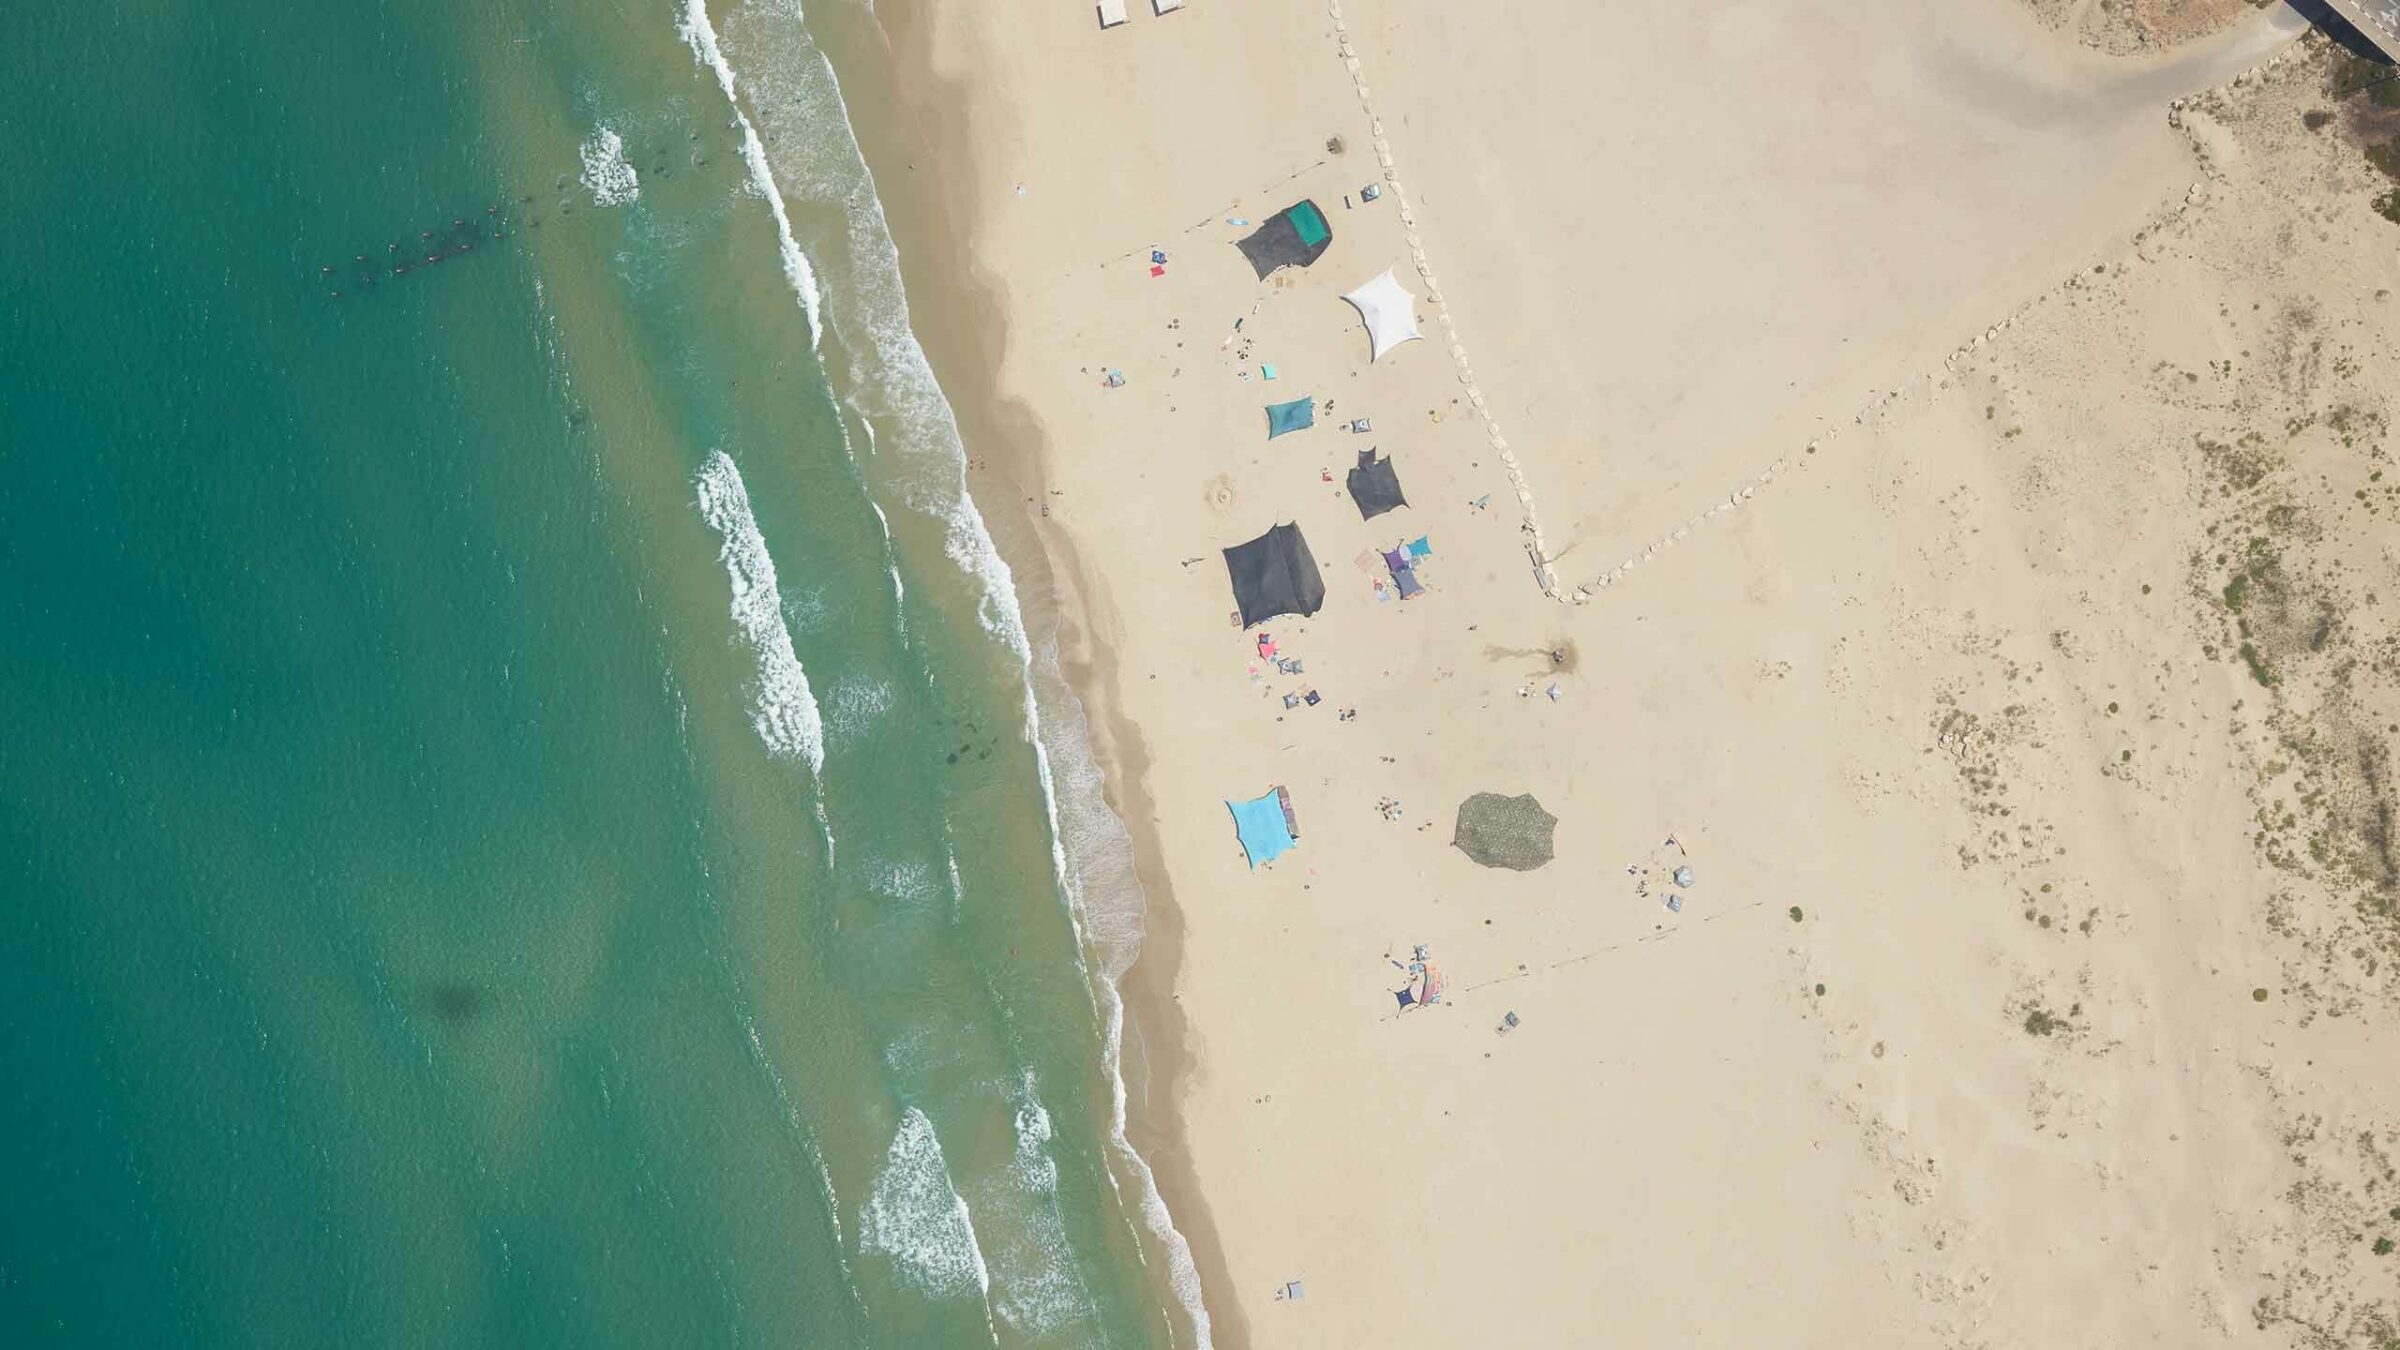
{"x": 1275, "y": 574}
{"x": 1374, "y": 486}
{"x": 1512, "y": 832}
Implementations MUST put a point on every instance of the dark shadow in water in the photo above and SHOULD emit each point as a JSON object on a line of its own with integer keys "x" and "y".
{"x": 453, "y": 1001}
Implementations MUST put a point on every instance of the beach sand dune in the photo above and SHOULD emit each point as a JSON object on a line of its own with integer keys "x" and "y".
{"x": 1746, "y": 223}
{"x": 2008, "y": 1002}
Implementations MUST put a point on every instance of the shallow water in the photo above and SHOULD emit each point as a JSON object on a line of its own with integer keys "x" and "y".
{"x": 520, "y": 816}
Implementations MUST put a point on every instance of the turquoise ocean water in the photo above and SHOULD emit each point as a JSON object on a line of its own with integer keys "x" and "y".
{"x": 525, "y": 819}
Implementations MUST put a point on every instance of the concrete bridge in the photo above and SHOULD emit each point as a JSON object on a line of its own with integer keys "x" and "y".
{"x": 2378, "y": 21}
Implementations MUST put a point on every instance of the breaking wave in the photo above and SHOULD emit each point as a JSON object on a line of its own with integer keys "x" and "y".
{"x": 883, "y": 375}
{"x": 915, "y": 1216}
{"x": 1038, "y": 1289}
{"x": 1104, "y": 893}
{"x": 607, "y": 174}
{"x": 883, "y": 371}
{"x": 781, "y": 706}
{"x": 701, "y": 36}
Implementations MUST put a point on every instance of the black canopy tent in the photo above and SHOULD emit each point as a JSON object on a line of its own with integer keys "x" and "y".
{"x": 1374, "y": 486}
{"x": 1273, "y": 575}
{"x": 1293, "y": 237}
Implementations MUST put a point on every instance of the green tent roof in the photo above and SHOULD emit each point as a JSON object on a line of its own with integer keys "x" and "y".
{"x": 1309, "y": 222}
{"x": 1295, "y": 236}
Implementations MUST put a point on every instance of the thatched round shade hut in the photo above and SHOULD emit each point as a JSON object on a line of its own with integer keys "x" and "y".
{"x": 1512, "y": 832}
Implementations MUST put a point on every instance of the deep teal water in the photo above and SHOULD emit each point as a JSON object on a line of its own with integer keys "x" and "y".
{"x": 414, "y": 936}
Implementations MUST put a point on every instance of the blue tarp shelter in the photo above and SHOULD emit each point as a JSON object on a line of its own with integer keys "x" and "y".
{"x": 1297, "y": 415}
{"x": 1265, "y": 825}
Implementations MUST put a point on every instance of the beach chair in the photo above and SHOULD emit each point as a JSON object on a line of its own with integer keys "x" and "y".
{"x": 1112, "y": 13}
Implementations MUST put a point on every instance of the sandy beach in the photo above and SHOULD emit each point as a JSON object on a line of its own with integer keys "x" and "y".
{"x": 1920, "y": 470}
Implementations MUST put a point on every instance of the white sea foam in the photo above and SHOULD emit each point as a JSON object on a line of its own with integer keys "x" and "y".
{"x": 884, "y": 375}
{"x": 931, "y": 1049}
{"x": 891, "y": 564}
{"x": 906, "y": 1051}
{"x": 607, "y": 174}
{"x": 805, "y": 608}
{"x": 1038, "y": 1291}
{"x": 854, "y": 704}
{"x": 891, "y": 554}
{"x": 915, "y": 1216}
{"x": 781, "y": 706}
{"x": 1104, "y": 893}
{"x": 1031, "y": 1165}
{"x": 701, "y": 36}
{"x": 908, "y": 881}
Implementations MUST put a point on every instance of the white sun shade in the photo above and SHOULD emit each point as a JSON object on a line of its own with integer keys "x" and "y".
{"x": 1390, "y": 312}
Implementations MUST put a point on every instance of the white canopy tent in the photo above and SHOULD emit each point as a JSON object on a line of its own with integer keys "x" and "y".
{"x": 1112, "y": 13}
{"x": 1390, "y": 312}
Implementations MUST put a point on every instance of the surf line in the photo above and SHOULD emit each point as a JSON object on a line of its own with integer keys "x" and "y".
{"x": 700, "y": 35}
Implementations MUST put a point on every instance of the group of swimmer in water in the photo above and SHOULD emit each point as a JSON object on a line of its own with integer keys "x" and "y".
{"x": 459, "y": 238}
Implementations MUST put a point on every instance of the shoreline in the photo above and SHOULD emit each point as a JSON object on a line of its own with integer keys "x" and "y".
{"x": 913, "y": 144}
{"x": 1893, "y": 637}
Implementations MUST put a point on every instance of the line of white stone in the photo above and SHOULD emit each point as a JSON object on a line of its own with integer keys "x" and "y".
{"x": 1529, "y": 525}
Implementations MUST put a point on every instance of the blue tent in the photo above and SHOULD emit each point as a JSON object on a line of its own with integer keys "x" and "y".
{"x": 1265, "y": 828}
{"x": 1297, "y": 415}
